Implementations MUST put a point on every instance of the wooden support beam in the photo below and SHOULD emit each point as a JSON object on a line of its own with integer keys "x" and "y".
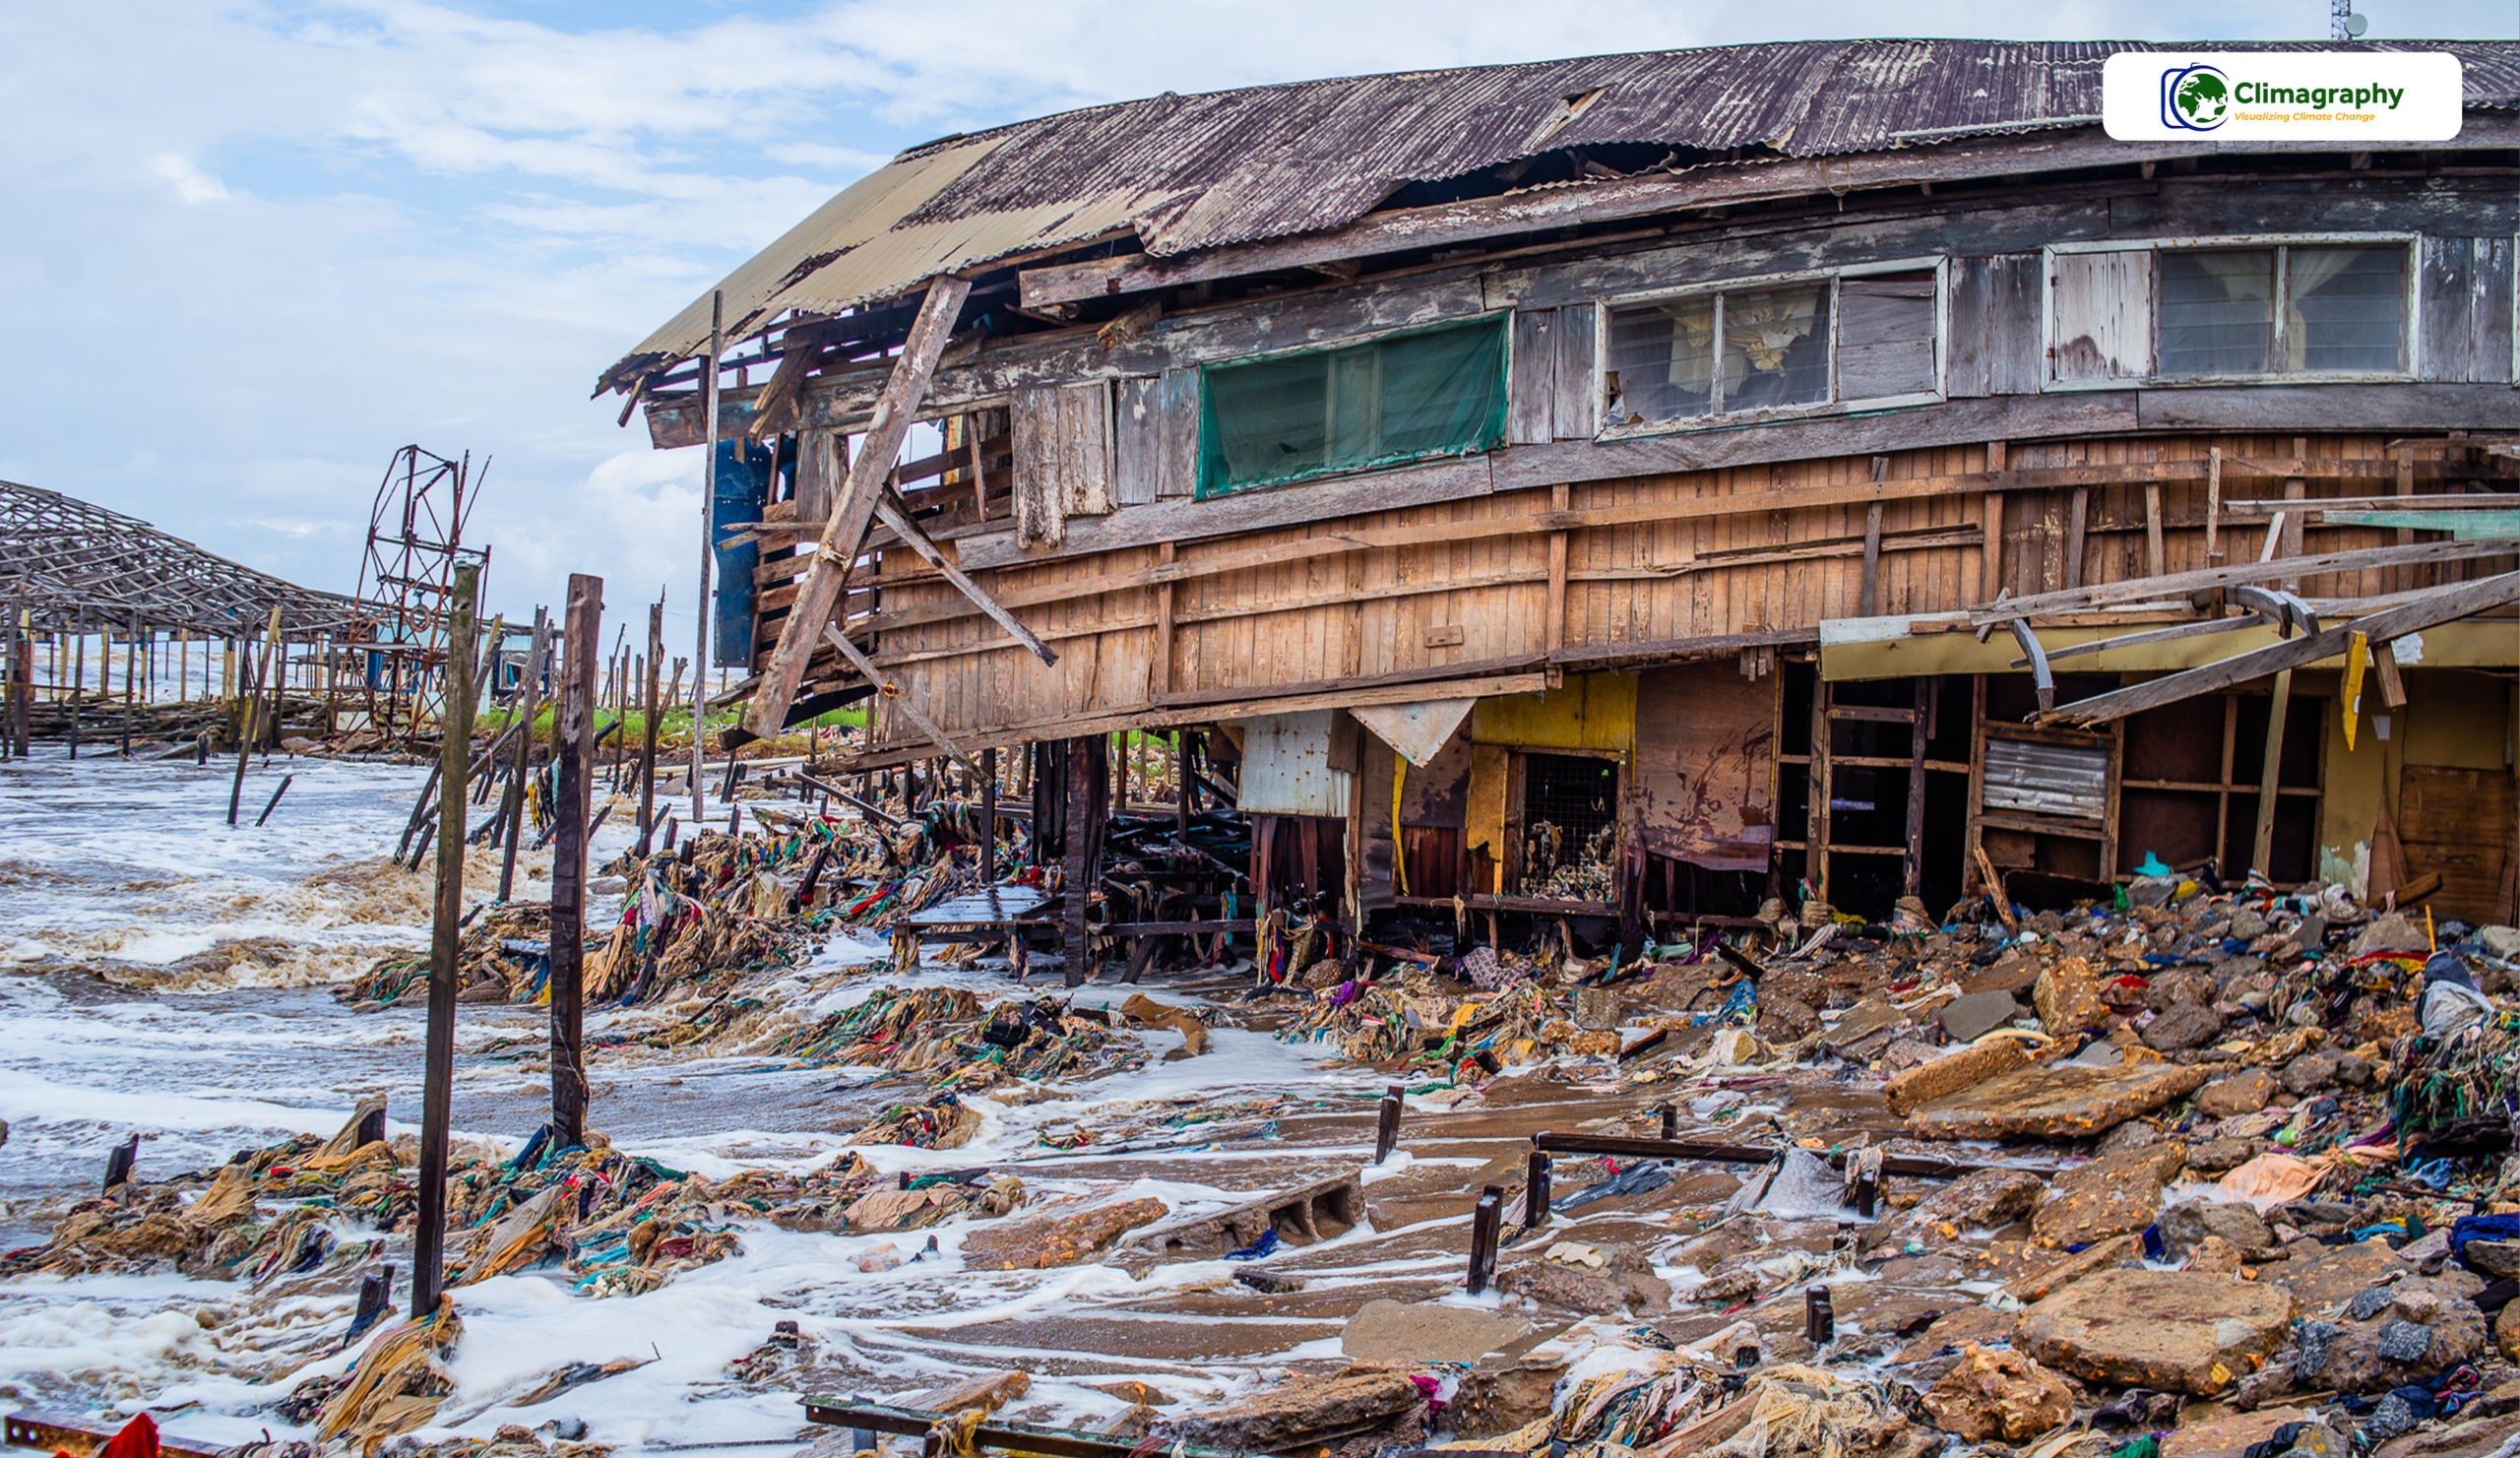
{"x": 1162, "y": 665}
{"x": 2261, "y": 848}
{"x": 1556, "y": 629}
{"x": 892, "y": 694}
{"x": 437, "y": 1069}
{"x": 2392, "y": 684}
{"x": 854, "y": 511}
{"x": 2182, "y": 584}
{"x": 573, "y": 784}
{"x": 1869, "y": 597}
{"x": 2156, "y": 555}
{"x": 2077, "y": 521}
{"x": 1815, "y": 843}
{"x": 893, "y": 517}
{"x": 1912, "y": 865}
{"x": 2444, "y": 605}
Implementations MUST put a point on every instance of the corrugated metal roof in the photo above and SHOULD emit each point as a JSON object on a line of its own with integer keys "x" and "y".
{"x": 1191, "y": 172}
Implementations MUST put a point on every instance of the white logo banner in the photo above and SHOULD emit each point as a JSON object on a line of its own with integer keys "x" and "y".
{"x": 2357, "y": 97}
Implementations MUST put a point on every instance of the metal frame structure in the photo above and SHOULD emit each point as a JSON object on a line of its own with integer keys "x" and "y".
{"x": 414, "y": 540}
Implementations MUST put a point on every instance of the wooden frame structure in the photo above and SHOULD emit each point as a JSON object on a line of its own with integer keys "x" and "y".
{"x": 1049, "y": 574}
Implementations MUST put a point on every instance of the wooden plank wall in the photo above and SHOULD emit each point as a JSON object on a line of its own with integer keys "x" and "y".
{"x": 1431, "y": 603}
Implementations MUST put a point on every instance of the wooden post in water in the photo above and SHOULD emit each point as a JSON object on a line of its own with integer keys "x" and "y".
{"x": 573, "y": 745}
{"x": 527, "y": 702}
{"x": 1537, "y": 1173}
{"x": 708, "y": 543}
{"x": 437, "y": 1084}
{"x": 648, "y": 707}
{"x": 1386, "y": 1124}
{"x": 1487, "y": 1222}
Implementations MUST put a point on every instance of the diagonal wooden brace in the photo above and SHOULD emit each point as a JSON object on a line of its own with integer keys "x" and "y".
{"x": 893, "y": 517}
{"x": 845, "y": 528}
{"x": 892, "y": 691}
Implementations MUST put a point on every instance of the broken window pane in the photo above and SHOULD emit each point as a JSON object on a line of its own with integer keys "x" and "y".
{"x": 1401, "y": 398}
{"x": 1662, "y": 359}
{"x": 2216, "y": 312}
{"x": 2346, "y": 309}
{"x": 1776, "y": 348}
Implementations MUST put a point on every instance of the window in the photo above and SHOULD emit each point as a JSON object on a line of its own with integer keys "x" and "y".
{"x": 1770, "y": 349}
{"x": 1405, "y": 397}
{"x": 2343, "y": 312}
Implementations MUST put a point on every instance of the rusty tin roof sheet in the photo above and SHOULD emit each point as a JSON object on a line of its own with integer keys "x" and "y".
{"x": 1184, "y": 174}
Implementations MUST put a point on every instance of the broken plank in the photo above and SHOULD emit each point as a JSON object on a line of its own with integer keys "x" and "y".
{"x": 893, "y": 692}
{"x": 893, "y": 517}
{"x": 855, "y": 510}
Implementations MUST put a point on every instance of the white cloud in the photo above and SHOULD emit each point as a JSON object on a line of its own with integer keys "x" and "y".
{"x": 191, "y": 184}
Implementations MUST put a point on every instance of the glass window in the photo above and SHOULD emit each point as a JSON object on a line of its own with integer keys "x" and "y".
{"x": 1770, "y": 349}
{"x": 2216, "y": 312}
{"x": 2346, "y": 309}
{"x": 1431, "y": 392}
{"x": 1776, "y": 348}
{"x": 1663, "y": 360}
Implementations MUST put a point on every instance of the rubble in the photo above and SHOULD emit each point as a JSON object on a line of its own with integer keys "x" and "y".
{"x": 2167, "y": 1330}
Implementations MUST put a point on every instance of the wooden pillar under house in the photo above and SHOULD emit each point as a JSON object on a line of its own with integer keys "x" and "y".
{"x": 573, "y": 734}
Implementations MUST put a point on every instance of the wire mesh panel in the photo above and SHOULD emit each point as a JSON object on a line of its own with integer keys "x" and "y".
{"x": 1570, "y": 826}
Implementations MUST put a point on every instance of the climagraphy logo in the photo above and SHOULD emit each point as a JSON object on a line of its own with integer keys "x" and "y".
{"x": 2195, "y": 99}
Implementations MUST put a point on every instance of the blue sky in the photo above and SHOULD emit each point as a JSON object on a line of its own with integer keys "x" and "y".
{"x": 252, "y": 248}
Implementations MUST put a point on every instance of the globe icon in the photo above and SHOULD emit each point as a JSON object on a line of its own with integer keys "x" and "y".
{"x": 2203, "y": 98}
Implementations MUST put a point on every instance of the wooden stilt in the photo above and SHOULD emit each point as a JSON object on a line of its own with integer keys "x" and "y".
{"x": 437, "y": 1085}
{"x": 574, "y": 764}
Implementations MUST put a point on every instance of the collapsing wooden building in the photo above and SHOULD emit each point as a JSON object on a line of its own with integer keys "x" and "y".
{"x": 1638, "y": 486}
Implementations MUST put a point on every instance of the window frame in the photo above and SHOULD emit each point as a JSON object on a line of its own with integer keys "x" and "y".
{"x": 1939, "y": 263}
{"x": 2410, "y": 339}
{"x": 1503, "y": 320}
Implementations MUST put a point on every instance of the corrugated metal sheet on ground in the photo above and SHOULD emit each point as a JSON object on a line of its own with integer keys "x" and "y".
{"x": 1285, "y": 767}
{"x": 2069, "y": 779}
{"x": 1182, "y": 174}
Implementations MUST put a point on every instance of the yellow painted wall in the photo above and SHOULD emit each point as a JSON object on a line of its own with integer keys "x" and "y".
{"x": 1589, "y": 710}
{"x": 1490, "y": 770}
{"x": 2453, "y": 718}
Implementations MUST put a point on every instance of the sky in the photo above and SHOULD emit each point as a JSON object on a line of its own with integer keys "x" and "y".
{"x": 249, "y": 249}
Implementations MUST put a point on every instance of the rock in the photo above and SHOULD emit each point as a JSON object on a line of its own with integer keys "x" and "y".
{"x": 1959, "y": 1329}
{"x": 1982, "y": 1200}
{"x": 2310, "y": 1072}
{"x": 2506, "y": 1331}
{"x": 2395, "y": 931}
{"x": 2354, "y": 1070}
{"x": 1999, "y": 1395}
{"x": 2241, "y": 1092}
{"x": 2048, "y": 1280}
{"x": 2246, "y": 925}
{"x": 2494, "y": 1258}
{"x": 1268, "y": 1282}
{"x": 2214, "y": 1156}
{"x": 2392, "y": 1336}
{"x": 1953, "y": 1073}
{"x": 2227, "y": 1432}
{"x": 2187, "y": 1025}
{"x": 1787, "y": 1020}
{"x": 1552, "y": 1284}
{"x": 2167, "y": 1330}
{"x": 2135, "y": 1133}
{"x": 1733, "y": 1046}
{"x": 2185, "y": 1224}
{"x": 2069, "y": 999}
{"x": 2108, "y": 1196}
{"x": 1390, "y": 1333}
{"x": 1136, "y": 1392}
{"x": 2214, "y": 1257}
{"x": 2014, "y": 973}
{"x": 1973, "y": 1015}
{"x": 2337, "y": 1274}
{"x": 1728, "y": 1290}
{"x": 1302, "y": 1411}
{"x": 1042, "y": 1243}
{"x": 2068, "y": 1102}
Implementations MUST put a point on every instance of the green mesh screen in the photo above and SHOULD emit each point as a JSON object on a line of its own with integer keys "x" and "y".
{"x": 1430, "y": 392}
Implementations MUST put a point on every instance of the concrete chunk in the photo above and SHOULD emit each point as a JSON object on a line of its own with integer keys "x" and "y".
{"x": 2168, "y": 1330}
{"x": 1954, "y": 1072}
{"x": 2066, "y": 1101}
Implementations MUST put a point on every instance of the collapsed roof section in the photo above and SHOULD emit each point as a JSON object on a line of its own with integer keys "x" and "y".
{"x": 71, "y": 564}
{"x": 1171, "y": 175}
